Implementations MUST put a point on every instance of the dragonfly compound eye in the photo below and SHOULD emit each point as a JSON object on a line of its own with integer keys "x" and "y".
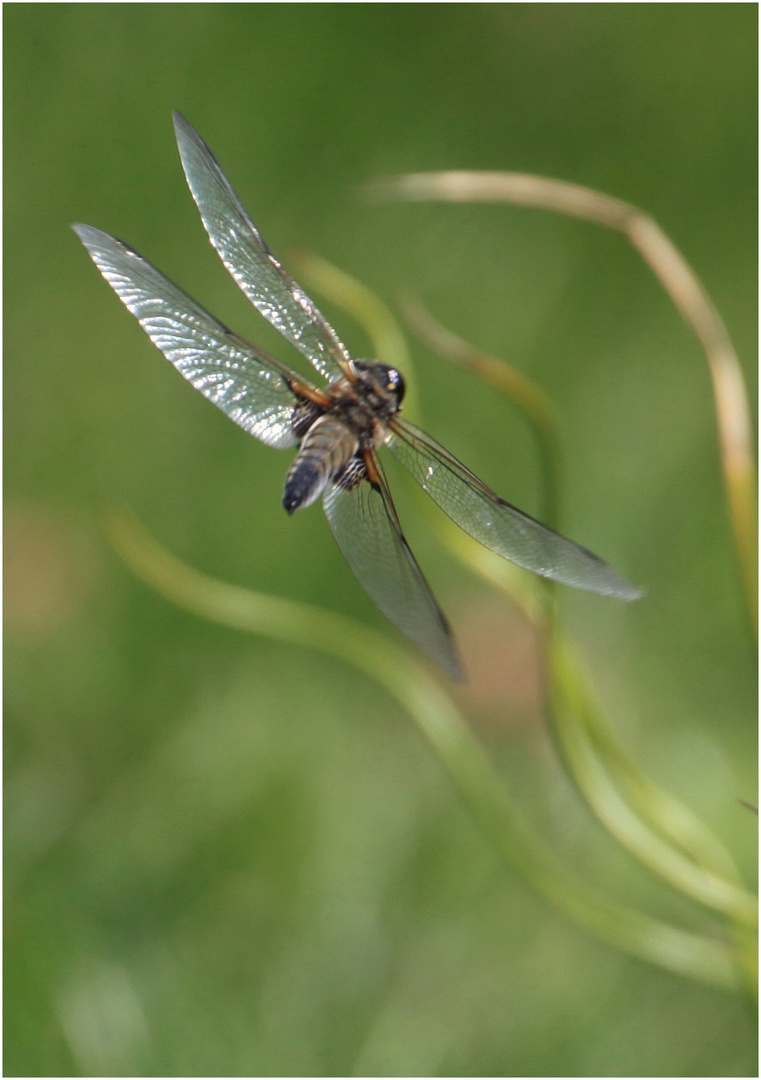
{"x": 396, "y": 384}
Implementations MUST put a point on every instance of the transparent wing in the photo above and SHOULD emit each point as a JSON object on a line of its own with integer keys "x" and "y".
{"x": 245, "y": 383}
{"x": 495, "y": 523}
{"x": 242, "y": 249}
{"x": 367, "y": 530}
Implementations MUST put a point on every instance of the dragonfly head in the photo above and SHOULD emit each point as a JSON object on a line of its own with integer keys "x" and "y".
{"x": 386, "y": 381}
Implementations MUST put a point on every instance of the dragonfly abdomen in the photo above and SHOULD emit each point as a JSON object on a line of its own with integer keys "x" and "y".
{"x": 325, "y": 450}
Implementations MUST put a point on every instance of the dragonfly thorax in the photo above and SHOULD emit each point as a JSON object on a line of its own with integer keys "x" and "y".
{"x": 371, "y": 392}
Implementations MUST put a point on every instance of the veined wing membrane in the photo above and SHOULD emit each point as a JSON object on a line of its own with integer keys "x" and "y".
{"x": 243, "y": 250}
{"x": 366, "y": 528}
{"x": 495, "y": 523}
{"x": 244, "y": 382}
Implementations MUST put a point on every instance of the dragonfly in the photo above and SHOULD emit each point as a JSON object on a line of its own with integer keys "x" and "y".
{"x": 337, "y": 423}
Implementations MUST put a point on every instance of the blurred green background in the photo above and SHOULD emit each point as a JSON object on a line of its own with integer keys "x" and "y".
{"x": 226, "y": 857}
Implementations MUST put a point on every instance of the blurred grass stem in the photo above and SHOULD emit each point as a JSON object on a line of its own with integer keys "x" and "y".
{"x": 711, "y": 879}
{"x": 584, "y": 740}
{"x": 401, "y": 673}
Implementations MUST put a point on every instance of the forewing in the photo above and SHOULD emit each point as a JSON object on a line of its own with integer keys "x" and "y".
{"x": 242, "y": 249}
{"x": 244, "y": 382}
{"x": 366, "y": 528}
{"x": 495, "y": 523}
